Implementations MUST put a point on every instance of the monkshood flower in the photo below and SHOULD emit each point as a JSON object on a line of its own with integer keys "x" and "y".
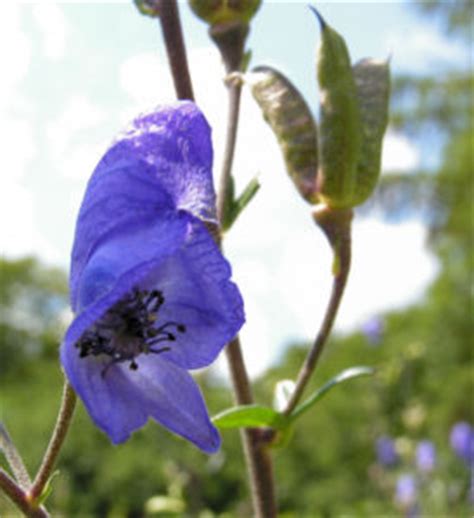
{"x": 406, "y": 491}
{"x": 150, "y": 290}
{"x": 373, "y": 330}
{"x": 462, "y": 441}
{"x": 426, "y": 456}
{"x": 386, "y": 453}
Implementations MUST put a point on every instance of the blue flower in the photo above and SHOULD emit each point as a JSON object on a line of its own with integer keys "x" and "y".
{"x": 462, "y": 441}
{"x": 150, "y": 290}
{"x": 426, "y": 456}
{"x": 385, "y": 449}
{"x": 406, "y": 491}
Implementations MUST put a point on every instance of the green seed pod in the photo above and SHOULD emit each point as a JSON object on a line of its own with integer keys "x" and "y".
{"x": 288, "y": 115}
{"x": 372, "y": 80}
{"x": 216, "y": 12}
{"x": 340, "y": 125}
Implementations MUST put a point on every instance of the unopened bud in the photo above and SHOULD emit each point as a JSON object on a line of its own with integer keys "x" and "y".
{"x": 216, "y": 12}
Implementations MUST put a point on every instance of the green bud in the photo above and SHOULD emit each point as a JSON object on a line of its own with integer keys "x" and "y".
{"x": 216, "y": 12}
{"x": 340, "y": 124}
{"x": 372, "y": 80}
{"x": 288, "y": 115}
{"x": 148, "y": 7}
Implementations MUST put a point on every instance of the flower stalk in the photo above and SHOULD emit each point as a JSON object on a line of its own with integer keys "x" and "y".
{"x": 14, "y": 459}
{"x": 175, "y": 48}
{"x": 336, "y": 224}
{"x": 61, "y": 428}
{"x": 257, "y": 457}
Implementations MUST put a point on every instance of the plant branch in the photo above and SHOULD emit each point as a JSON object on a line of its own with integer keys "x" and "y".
{"x": 63, "y": 421}
{"x": 175, "y": 48}
{"x": 257, "y": 456}
{"x": 337, "y": 227}
{"x": 230, "y": 41}
{"x": 234, "y": 95}
{"x": 14, "y": 459}
{"x": 18, "y": 496}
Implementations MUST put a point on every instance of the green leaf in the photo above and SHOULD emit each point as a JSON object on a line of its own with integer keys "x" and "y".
{"x": 48, "y": 488}
{"x": 249, "y": 416}
{"x": 236, "y": 206}
{"x": 347, "y": 374}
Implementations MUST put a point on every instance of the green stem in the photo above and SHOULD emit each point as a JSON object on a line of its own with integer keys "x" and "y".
{"x": 234, "y": 96}
{"x": 175, "y": 48}
{"x": 20, "y": 498}
{"x": 337, "y": 226}
{"x": 63, "y": 421}
{"x": 14, "y": 459}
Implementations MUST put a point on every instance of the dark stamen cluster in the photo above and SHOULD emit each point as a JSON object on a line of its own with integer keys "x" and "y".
{"x": 129, "y": 329}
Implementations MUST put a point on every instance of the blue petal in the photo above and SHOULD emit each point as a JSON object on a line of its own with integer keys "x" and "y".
{"x": 198, "y": 292}
{"x": 176, "y": 140}
{"x": 121, "y": 401}
{"x": 108, "y": 399}
{"x": 129, "y": 247}
{"x": 119, "y": 197}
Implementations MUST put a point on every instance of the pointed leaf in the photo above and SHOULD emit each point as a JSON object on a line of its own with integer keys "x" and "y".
{"x": 249, "y": 416}
{"x": 236, "y": 206}
{"x": 48, "y": 488}
{"x": 353, "y": 372}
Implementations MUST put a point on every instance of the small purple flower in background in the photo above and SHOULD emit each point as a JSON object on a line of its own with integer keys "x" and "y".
{"x": 373, "y": 330}
{"x": 406, "y": 491}
{"x": 462, "y": 441}
{"x": 426, "y": 456}
{"x": 385, "y": 448}
{"x": 150, "y": 290}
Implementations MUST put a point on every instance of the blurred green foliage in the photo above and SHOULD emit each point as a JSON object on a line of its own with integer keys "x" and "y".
{"x": 423, "y": 386}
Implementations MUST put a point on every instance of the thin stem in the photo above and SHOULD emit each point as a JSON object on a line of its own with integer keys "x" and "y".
{"x": 18, "y": 496}
{"x": 257, "y": 456}
{"x": 175, "y": 48}
{"x": 231, "y": 47}
{"x": 14, "y": 459}
{"x": 340, "y": 237}
{"x": 63, "y": 421}
{"x": 229, "y": 151}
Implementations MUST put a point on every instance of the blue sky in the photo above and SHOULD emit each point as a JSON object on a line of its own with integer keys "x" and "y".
{"x": 73, "y": 73}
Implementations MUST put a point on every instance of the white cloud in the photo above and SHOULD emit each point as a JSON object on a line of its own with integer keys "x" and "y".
{"x": 71, "y": 146}
{"x": 18, "y": 146}
{"x": 53, "y": 26}
{"x": 424, "y": 48}
{"x": 391, "y": 269}
{"x": 13, "y": 64}
{"x": 19, "y": 235}
{"x": 399, "y": 154}
{"x": 145, "y": 78}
